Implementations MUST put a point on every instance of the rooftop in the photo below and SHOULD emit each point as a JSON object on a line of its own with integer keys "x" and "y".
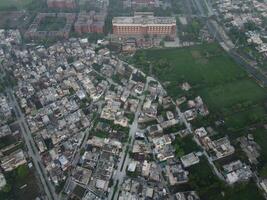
{"x": 144, "y": 20}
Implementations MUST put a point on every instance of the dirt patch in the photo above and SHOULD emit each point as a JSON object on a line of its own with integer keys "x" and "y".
{"x": 195, "y": 54}
{"x": 202, "y": 61}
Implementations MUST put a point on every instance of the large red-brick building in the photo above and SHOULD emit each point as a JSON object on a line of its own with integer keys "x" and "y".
{"x": 91, "y": 22}
{"x": 140, "y": 25}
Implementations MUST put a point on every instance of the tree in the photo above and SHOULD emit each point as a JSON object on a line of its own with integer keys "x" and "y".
{"x": 22, "y": 171}
{"x": 7, "y": 188}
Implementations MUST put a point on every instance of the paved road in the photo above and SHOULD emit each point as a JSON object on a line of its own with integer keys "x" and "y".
{"x": 32, "y": 149}
{"x": 120, "y": 174}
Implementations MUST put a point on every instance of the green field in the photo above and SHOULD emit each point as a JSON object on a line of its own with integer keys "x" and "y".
{"x": 225, "y": 87}
{"x": 19, "y": 4}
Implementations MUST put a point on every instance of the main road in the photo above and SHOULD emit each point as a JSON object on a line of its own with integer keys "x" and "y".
{"x": 32, "y": 149}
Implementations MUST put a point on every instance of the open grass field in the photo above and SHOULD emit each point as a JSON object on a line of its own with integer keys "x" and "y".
{"x": 19, "y": 4}
{"x": 224, "y": 85}
{"x": 200, "y": 65}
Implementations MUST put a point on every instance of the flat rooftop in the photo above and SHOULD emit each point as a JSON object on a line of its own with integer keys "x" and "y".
{"x": 143, "y": 20}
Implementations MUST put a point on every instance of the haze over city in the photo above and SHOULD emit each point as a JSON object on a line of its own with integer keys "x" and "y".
{"x": 133, "y": 99}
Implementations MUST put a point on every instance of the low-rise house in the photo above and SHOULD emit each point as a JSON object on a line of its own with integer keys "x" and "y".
{"x": 140, "y": 150}
{"x": 2, "y": 181}
{"x": 176, "y": 174}
{"x": 251, "y": 148}
{"x": 190, "y": 195}
{"x": 12, "y": 161}
{"x": 189, "y": 160}
{"x": 4, "y": 131}
{"x": 201, "y": 132}
{"x": 237, "y": 171}
{"x": 133, "y": 189}
{"x": 155, "y": 130}
{"x": 219, "y": 148}
{"x": 160, "y": 142}
{"x": 165, "y": 153}
{"x": 82, "y": 175}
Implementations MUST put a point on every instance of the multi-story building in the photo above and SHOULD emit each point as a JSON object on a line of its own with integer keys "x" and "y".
{"x": 90, "y": 23}
{"x": 12, "y": 161}
{"x": 144, "y": 24}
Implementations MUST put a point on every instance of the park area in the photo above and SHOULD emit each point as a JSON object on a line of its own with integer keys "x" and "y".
{"x": 230, "y": 94}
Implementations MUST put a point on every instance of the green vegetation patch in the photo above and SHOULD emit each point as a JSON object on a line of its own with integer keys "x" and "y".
{"x": 184, "y": 145}
{"x": 21, "y": 184}
{"x": 253, "y": 115}
{"x": 228, "y": 94}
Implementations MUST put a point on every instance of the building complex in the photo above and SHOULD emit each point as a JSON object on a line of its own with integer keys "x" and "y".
{"x": 144, "y": 24}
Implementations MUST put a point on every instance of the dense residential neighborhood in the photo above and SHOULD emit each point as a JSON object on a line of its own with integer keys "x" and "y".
{"x": 133, "y": 99}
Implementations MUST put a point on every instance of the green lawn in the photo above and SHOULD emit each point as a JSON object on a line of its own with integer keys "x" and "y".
{"x": 204, "y": 64}
{"x": 252, "y": 115}
{"x": 231, "y": 93}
